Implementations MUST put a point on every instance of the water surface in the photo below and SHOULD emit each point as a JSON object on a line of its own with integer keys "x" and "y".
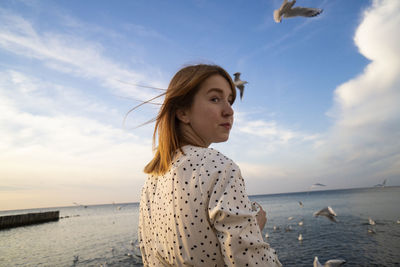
{"x": 107, "y": 234}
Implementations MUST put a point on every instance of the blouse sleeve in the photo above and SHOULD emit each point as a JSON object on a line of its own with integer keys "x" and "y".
{"x": 230, "y": 212}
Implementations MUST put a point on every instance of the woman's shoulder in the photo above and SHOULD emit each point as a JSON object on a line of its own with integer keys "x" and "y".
{"x": 204, "y": 154}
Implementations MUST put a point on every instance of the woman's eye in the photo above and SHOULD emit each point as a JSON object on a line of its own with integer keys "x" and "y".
{"x": 215, "y": 99}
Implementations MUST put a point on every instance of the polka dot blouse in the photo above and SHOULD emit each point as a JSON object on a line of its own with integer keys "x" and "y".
{"x": 198, "y": 214}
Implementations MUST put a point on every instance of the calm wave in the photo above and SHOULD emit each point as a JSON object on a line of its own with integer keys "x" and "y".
{"x": 107, "y": 234}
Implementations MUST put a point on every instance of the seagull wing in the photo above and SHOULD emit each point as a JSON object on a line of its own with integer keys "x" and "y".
{"x": 240, "y": 83}
{"x": 241, "y": 89}
{"x": 331, "y": 211}
{"x": 285, "y": 5}
{"x": 320, "y": 213}
{"x": 327, "y": 211}
{"x": 302, "y": 11}
{"x": 240, "y": 86}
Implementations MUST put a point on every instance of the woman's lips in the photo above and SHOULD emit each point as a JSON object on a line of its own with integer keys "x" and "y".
{"x": 228, "y": 126}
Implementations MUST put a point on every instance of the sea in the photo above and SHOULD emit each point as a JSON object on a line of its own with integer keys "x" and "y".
{"x": 106, "y": 235}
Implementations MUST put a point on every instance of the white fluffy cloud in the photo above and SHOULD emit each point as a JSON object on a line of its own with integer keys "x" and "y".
{"x": 364, "y": 140}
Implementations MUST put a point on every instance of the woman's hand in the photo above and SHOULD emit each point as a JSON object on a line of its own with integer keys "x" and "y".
{"x": 261, "y": 217}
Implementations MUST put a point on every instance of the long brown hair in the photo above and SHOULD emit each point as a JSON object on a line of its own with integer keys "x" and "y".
{"x": 179, "y": 95}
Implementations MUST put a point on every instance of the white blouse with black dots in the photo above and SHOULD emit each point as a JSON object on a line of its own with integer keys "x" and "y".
{"x": 198, "y": 214}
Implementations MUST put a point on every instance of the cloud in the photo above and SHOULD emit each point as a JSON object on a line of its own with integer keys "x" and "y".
{"x": 269, "y": 130}
{"x": 253, "y": 171}
{"x": 58, "y": 139}
{"x": 364, "y": 140}
{"x": 360, "y": 148}
{"x": 270, "y": 155}
{"x": 47, "y": 146}
{"x": 71, "y": 54}
{"x": 267, "y": 134}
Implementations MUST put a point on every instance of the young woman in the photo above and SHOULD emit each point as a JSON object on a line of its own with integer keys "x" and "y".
{"x": 194, "y": 210}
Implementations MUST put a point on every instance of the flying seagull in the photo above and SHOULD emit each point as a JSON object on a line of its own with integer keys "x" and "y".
{"x": 382, "y": 184}
{"x": 316, "y": 185}
{"x": 288, "y": 11}
{"x": 239, "y": 83}
{"x": 329, "y": 263}
{"x": 327, "y": 212}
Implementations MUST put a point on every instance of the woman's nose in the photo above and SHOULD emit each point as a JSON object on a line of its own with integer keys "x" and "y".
{"x": 228, "y": 110}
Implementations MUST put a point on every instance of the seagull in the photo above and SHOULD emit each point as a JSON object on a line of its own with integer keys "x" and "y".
{"x": 301, "y": 223}
{"x": 301, "y": 204}
{"x": 329, "y": 263}
{"x": 327, "y": 212}
{"x": 371, "y": 231}
{"x": 371, "y": 222}
{"x": 288, "y": 11}
{"x": 266, "y": 235}
{"x": 382, "y": 184}
{"x": 290, "y": 218}
{"x": 316, "y": 185}
{"x": 300, "y": 238}
{"x": 239, "y": 83}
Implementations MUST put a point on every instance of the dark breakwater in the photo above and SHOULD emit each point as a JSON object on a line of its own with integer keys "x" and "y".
{"x": 11, "y": 221}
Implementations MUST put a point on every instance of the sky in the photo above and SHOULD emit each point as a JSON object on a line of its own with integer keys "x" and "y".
{"x": 320, "y": 106}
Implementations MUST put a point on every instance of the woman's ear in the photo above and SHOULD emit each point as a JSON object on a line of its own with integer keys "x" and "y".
{"x": 183, "y": 115}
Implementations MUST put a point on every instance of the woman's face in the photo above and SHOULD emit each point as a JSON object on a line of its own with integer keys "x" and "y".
{"x": 211, "y": 113}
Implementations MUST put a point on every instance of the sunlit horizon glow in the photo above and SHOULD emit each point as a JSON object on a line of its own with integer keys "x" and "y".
{"x": 321, "y": 104}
